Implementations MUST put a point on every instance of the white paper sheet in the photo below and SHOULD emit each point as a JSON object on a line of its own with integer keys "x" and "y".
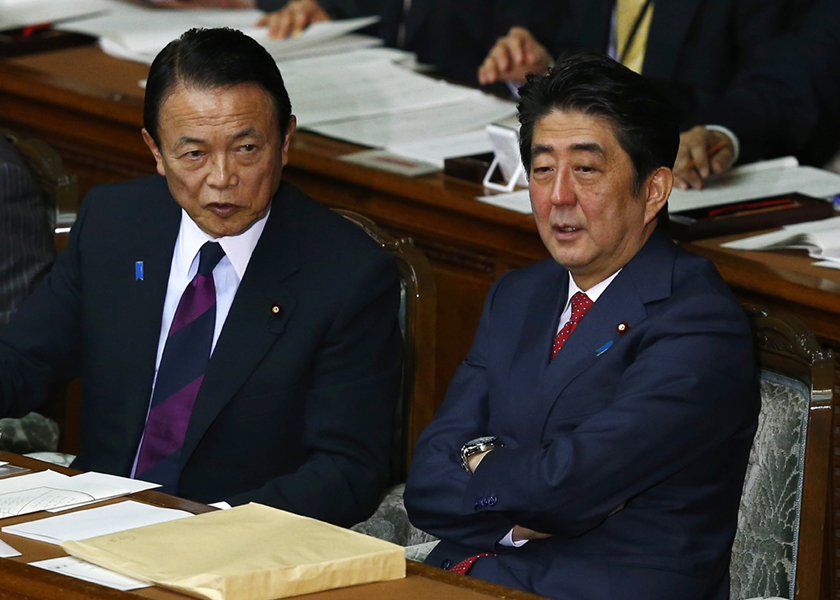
{"x": 21, "y": 13}
{"x": 469, "y": 113}
{"x": 132, "y": 485}
{"x": 760, "y": 180}
{"x": 519, "y": 201}
{"x": 73, "y": 567}
{"x": 437, "y": 150}
{"x": 6, "y": 551}
{"x": 93, "y": 522}
{"x": 360, "y": 84}
{"x": 47, "y": 489}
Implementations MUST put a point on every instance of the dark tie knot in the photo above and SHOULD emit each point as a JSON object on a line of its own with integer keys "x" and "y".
{"x": 209, "y": 256}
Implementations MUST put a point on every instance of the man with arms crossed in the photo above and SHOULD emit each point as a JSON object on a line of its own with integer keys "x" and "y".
{"x": 217, "y": 257}
{"x": 594, "y": 442}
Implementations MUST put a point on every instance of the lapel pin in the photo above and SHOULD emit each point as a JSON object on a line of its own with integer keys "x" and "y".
{"x": 603, "y": 348}
{"x": 138, "y": 271}
{"x": 276, "y": 309}
{"x": 622, "y": 328}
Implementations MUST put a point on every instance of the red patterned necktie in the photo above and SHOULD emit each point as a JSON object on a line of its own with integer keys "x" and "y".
{"x": 465, "y": 565}
{"x": 580, "y": 304}
{"x": 181, "y": 371}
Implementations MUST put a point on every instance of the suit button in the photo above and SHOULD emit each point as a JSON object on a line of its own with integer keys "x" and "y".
{"x": 479, "y": 503}
{"x": 491, "y": 501}
{"x": 446, "y": 564}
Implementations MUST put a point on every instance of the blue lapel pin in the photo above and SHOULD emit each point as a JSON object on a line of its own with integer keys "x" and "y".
{"x": 138, "y": 271}
{"x": 603, "y": 348}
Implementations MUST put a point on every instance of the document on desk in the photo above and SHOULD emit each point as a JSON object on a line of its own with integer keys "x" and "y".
{"x": 361, "y": 84}
{"x": 6, "y": 551}
{"x": 22, "y": 13}
{"x": 73, "y": 567}
{"x": 120, "y": 36}
{"x": 518, "y": 201}
{"x": 468, "y": 114}
{"x": 820, "y": 238}
{"x": 758, "y": 180}
{"x": 93, "y": 522}
{"x": 45, "y": 490}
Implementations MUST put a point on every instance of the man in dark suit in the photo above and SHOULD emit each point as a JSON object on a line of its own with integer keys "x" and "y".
{"x": 694, "y": 50}
{"x": 594, "y": 442}
{"x": 26, "y": 245}
{"x": 295, "y": 306}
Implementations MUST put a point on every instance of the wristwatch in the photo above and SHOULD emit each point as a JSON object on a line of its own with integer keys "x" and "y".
{"x": 477, "y": 446}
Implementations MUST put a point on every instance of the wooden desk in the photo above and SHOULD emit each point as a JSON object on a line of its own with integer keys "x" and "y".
{"x": 19, "y": 581}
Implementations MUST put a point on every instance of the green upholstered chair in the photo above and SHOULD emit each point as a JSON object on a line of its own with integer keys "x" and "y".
{"x": 782, "y": 537}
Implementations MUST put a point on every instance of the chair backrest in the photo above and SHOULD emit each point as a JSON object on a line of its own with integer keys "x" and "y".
{"x": 781, "y": 539}
{"x": 416, "y": 404}
{"x": 60, "y": 190}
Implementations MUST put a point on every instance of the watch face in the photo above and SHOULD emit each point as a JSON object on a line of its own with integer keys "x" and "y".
{"x": 482, "y": 440}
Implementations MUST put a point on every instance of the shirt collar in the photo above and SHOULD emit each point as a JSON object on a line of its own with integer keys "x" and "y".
{"x": 594, "y": 292}
{"x": 238, "y": 248}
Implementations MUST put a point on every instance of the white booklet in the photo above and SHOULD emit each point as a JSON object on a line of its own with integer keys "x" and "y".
{"x": 820, "y": 238}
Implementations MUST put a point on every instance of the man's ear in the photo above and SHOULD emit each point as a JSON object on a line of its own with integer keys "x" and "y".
{"x": 155, "y": 151}
{"x": 289, "y": 131}
{"x": 658, "y": 190}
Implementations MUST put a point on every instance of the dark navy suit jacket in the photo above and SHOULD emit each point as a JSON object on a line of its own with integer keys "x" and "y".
{"x": 295, "y": 410}
{"x": 629, "y": 448}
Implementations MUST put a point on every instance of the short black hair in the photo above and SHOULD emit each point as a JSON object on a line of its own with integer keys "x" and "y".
{"x": 208, "y": 59}
{"x": 644, "y": 122}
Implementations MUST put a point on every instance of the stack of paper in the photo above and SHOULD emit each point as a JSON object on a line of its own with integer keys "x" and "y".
{"x": 758, "y": 180}
{"x": 48, "y": 490}
{"x": 93, "y": 522}
{"x": 119, "y": 35}
{"x": 820, "y": 238}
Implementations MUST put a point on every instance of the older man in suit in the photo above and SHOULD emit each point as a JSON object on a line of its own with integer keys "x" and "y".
{"x": 236, "y": 340}
{"x": 594, "y": 442}
{"x": 26, "y": 245}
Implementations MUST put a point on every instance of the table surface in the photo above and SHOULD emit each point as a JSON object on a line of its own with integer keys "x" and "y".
{"x": 19, "y": 580}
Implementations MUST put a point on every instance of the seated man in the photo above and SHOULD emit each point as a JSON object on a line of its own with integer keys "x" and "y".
{"x": 593, "y": 444}
{"x": 236, "y": 340}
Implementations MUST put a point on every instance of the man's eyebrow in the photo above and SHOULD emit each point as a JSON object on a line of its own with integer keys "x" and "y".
{"x": 188, "y": 140}
{"x": 248, "y": 131}
{"x": 538, "y": 149}
{"x": 590, "y": 147}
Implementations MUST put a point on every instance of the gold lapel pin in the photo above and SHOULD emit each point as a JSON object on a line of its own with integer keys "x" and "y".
{"x": 622, "y": 328}
{"x": 276, "y": 309}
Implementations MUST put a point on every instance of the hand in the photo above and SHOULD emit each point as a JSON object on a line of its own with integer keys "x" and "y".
{"x": 523, "y": 533}
{"x": 474, "y": 460}
{"x": 293, "y": 18}
{"x": 702, "y": 152}
{"x": 513, "y": 56}
{"x": 206, "y": 4}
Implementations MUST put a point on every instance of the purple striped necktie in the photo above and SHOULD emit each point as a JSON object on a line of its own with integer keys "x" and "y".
{"x": 179, "y": 377}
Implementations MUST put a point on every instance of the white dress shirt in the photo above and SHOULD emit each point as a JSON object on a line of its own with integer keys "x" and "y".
{"x": 593, "y": 293}
{"x": 226, "y": 275}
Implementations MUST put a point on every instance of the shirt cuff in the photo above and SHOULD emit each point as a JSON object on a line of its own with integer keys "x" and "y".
{"x": 736, "y": 145}
{"x": 508, "y": 541}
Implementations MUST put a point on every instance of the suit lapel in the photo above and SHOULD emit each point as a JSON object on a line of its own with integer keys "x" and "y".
{"x": 645, "y": 279}
{"x": 141, "y": 331}
{"x": 533, "y": 351}
{"x": 669, "y": 27}
{"x": 251, "y": 327}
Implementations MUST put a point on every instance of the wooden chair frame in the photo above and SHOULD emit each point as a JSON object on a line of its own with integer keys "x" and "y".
{"x": 785, "y": 346}
{"x": 418, "y": 383}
